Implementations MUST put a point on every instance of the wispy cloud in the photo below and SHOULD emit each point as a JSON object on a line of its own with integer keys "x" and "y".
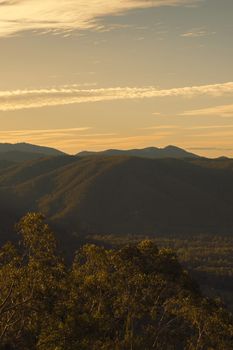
{"x": 76, "y": 139}
{"x": 44, "y": 131}
{"x": 224, "y": 111}
{"x": 43, "y": 134}
{"x": 210, "y": 149}
{"x": 209, "y": 127}
{"x": 66, "y": 15}
{"x": 197, "y": 33}
{"x": 160, "y": 127}
{"x": 121, "y": 142}
{"x": 216, "y": 135}
{"x": 57, "y": 96}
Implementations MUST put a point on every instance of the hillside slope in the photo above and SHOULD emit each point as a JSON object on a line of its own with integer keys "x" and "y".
{"x": 121, "y": 194}
{"x": 19, "y": 156}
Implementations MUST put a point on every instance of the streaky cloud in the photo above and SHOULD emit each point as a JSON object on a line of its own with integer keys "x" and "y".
{"x": 69, "y": 138}
{"x": 225, "y": 111}
{"x": 58, "y": 96}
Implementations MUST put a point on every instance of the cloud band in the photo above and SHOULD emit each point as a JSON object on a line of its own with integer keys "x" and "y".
{"x": 37, "y": 98}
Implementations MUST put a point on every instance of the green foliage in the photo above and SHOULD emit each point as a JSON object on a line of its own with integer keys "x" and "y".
{"x": 135, "y": 297}
{"x": 208, "y": 258}
{"x": 31, "y": 281}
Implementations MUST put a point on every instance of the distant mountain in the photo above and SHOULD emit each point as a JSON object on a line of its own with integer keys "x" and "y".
{"x": 18, "y": 156}
{"x": 24, "y": 151}
{"x": 27, "y": 147}
{"x": 120, "y": 195}
{"x": 150, "y": 152}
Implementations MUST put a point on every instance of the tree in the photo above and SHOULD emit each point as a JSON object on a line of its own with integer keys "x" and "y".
{"x": 30, "y": 280}
{"x": 132, "y": 298}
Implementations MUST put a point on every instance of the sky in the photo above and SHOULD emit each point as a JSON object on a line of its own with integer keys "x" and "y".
{"x": 99, "y": 74}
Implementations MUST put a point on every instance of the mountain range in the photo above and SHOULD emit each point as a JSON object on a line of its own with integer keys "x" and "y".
{"x": 119, "y": 195}
{"x": 149, "y": 152}
{"x": 23, "y": 151}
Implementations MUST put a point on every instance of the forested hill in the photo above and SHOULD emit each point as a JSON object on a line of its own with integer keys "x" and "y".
{"x": 120, "y": 194}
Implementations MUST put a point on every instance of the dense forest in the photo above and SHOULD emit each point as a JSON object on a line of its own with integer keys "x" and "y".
{"x": 119, "y": 195}
{"x": 208, "y": 258}
{"x": 135, "y": 296}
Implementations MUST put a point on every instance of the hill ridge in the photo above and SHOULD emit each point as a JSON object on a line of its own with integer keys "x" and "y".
{"x": 121, "y": 194}
{"x": 169, "y": 151}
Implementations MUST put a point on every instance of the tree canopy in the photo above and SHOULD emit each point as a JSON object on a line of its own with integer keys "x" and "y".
{"x": 134, "y": 297}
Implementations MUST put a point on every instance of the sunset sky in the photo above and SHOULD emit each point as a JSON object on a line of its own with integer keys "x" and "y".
{"x": 97, "y": 74}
